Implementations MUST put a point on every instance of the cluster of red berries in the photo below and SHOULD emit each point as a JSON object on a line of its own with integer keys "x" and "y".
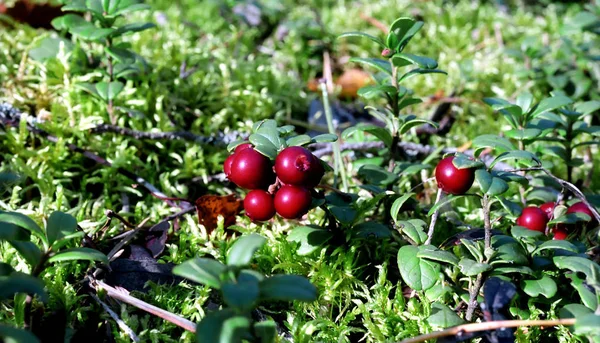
{"x": 283, "y": 188}
{"x": 536, "y": 218}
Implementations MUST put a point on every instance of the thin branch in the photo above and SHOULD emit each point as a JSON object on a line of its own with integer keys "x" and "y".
{"x": 434, "y": 217}
{"x": 476, "y": 327}
{"x": 119, "y": 321}
{"x": 142, "y": 305}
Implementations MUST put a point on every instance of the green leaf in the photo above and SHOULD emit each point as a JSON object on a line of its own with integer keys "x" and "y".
{"x": 510, "y": 206}
{"x": 21, "y": 283}
{"x": 511, "y": 253}
{"x": 122, "y": 55}
{"x": 383, "y": 134}
{"x": 397, "y": 205}
{"x": 79, "y": 254}
{"x": 91, "y": 32}
{"x": 222, "y": 327}
{"x": 242, "y": 295}
{"x": 266, "y": 331}
{"x": 588, "y": 325}
{"x": 22, "y": 221}
{"x": 88, "y": 87}
{"x": 435, "y": 254}
{"x": 544, "y": 286}
{"x": 550, "y": 104}
{"x": 415, "y": 122}
{"x": 401, "y": 31}
{"x": 556, "y": 244}
{"x": 522, "y": 157}
{"x": 571, "y": 218}
{"x": 403, "y": 59}
{"x": 202, "y": 270}
{"x": 298, "y": 140}
{"x": 473, "y": 248}
{"x": 49, "y": 47}
{"x": 5, "y": 269}
{"x": 523, "y": 134}
{"x": 287, "y": 288}
{"x": 310, "y": 238}
{"x": 363, "y": 35}
{"x": 129, "y": 6}
{"x": 511, "y": 112}
{"x": 588, "y": 297}
{"x": 471, "y": 268}
{"x": 446, "y": 200}
{"x": 377, "y": 63}
{"x": 60, "y": 225}
{"x": 345, "y": 215}
{"x": 30, "y": 252}
{"x": 489, "y": 184}
{"x": 573, "y": 311}
{"x": 10, "y": 232}
{"x": 521, "y": 270}
{"x": 372, "y": 91}
{"x": 263, "y": 145}
{"x": 443, "y": 317}
{"x": 405, "y": 102}
{"x": 131, "y": 28}
{"x": 419, "y": 274}
{"x": 524, "y": 101}
{"x": 413, "y": 229}
{"x": 69, "y": 21}
{"x": 371, "y": 229}
{"x": 109, "y": 90}
{"x": 243, "y": 249}
{"x": 575, "y": 264}
{"x": 15, "y": 335}
{"x": 271, "y": 133}
{"x": 420, "y": 71}
{"x": 492, "y": 141}
{"x": 324, "y": 138}
{"x": 377, "y": 175}
{"x": 520, "y": 232}
{"x": 587, "y": 107}
{"x": 462, "y": 161}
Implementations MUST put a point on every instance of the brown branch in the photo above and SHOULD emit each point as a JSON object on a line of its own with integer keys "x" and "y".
{"x": 476, "y": 327}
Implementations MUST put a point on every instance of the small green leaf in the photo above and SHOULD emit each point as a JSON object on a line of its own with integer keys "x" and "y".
{"x": 243, "y": 249}
{"x": 419, "y": 71}
{"x": 109, "y": 90}
{"x": 79, "y": 254}
{"x": 345, "y": 215}
{"x": 524, "y": 101}
{"x": 415, "y": 122}
{"x": 403, "y": 59}
{"x": 363, "y": 35}
{"x": 556, "y": 244}
{"x": 575, "y": 264}
{"x": 462, "y": 161}
{"x": 324, "y": 138}
{"x": 419, "y": 274}
{"x": 550, "y": 104}
{"x": 298, "y": 140}
{"x": 128, "y": 6}
{"x": 132, "y": 28}
{"x": 15, "y": 335}
{"x": 222, "y": 327}
{"x": 30, "y": 252}
{"x": 60, "y": 225}
{"x": 379, "y": 132}
{"x": 573, "y": 311}
{"x": 523, "y": 134}
{"x": 588, "y": 325}
{"x": 88, "y": 87}
{"x": 522, "y": 157}
{"x": 22, "y": 221}
{"x": 405, "y": 102}
{"x": 571, "y": 218}
{"x": 12, "y": 232}
{"x": 377, "y": 63}
{"x": 241, "y": 295}
{"x": 435, "y": 254}
{"x": 266, "y": 331}
{"x": 287, "y": 288}
{"x": 371, "y": 229}
{"x": 489, "y": 184}
{"x": 263, "y": 145}
{"x": 372, "y": 91}
{"x": 446, "y": 200}
{"x": 21, "y": 283}
{"x": 443, "y": 317}
{"x": 397, "y": 205}
{"x": 231, "y": 146}
{"x": 377, "y": 175}
{"x": 520, "y": 232}
{"x": 310, "y": 238}
{"x": 544, "y": 286}
{"x": 471, "y": 268}
{"x": 492, "y": 141}
{"x": 202, "y": 270}
{"x": 122, "y": 55}
{"x": 413, "y": 229}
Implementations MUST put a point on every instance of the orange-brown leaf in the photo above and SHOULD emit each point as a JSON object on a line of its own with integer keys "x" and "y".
{"x": 209, "y": 207}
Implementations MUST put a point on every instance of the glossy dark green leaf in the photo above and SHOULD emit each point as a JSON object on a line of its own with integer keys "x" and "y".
{"x": 231, "y": 146}
{"x": 511, "y": 112}
{"x": 443, "y": 317}
{"x": 397, "y": 205}
{"x": 129, "y": 6}
{"x": 588, "y": 297}
{"x": 520, "y": 232}
{"x": 310, "y": 238}
{"x": 377, "y": 63}
{"x": 202, "y": 270}
{"x": 79, "y": 254}
{"x": 222, "y": 327}
{"x": 91, "y": 32}
{"x": 324, "y": 138}
{"x": 419, "y": 71}
{"x": 377, "y": 175}
{"x": 472, "y": 268}
{"x": 489, "y": 184}
{"x": 462, "y": 161}
{"x": 446, "y": 200}
{"x": 266, "y": 331}
{"x": 30, "y": 252}
{"x": 21, "y": 283}
{"x": 523, "y": 134}
{"x": 571, "y": 218}
{"x": 510, "y": 206}
{"x": 243, "y": 249}
{"x": 550, "y": 104}
{"x": 588, "y": 325}
{"x": 419, "y": 274}
{"x": 511, "y": 253}
{"x": 524, "y": 101}
{"x": 576, "y": 264}
{"x": 263, "y": 145}
{"x": 522, "y": 157}
{"x": 371, "y": 229}
{"x": 122, "y": 55}
{"x": 377, "y": 131}
{"x": 22, "y": 221}
{"x": 521, "y": 270}
{"x": 362, "y": 35}
{"x": 242, "y": 295}
{"x": 405, "y": 102}
{"x": 343, "y": 214}
{"x": 372, "y": 91}
{"x": 403, "y": 59}
{"x": 132, "y": 28}
{"x": 573, "y": 311}
{"x": 60, "y": 225}
{"x": 9, "y": 231}
{"x": 432, "y": 253}
{"x": 545, "y": 286}
{"x": 287, "y": 288}
{"x": 413, "y": 229}
{"x": 5, "y": 269}
{"x": 556, "y": 244}
{"x": 494, "y": 142}
{"x": 298, "y": 140}
{"x": 415, "y": 122}
{"x": 69, "y": 21}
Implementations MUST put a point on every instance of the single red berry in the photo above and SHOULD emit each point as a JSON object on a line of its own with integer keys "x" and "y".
{"x": 316, "y": 173}
{"x": 251, "y": 170}
{"x": 581, "y": 208}
{"x": 560, "y": 232}
{"x": 548, "y": 208}
{"x": 241, "y": 147}
{"x": 227, "y": 165}
{"x": 451, "y": 179}
{"x": 295, "y": 165}
{"x": 292, "y": 202}
{"x": 533, "y": 218}
{"x": 259, "y": 205}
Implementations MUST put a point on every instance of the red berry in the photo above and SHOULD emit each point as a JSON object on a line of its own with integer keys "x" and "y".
{"x": 251, "y": 170}
{"x": 533, "y": 218}
{"x": 316, "y": 173}
{"x": 227, "y": 165}
{"x": 451, "y": 179}
{"x": 259, "y": 205}
{"x": 548, "y": 208}
{"x": 241, "y": 147}
{"x": 295, "y": 165}
{"x": 582, "y": 208}
{"x": 560, "y": 232}
{"x": 292, "y": 202}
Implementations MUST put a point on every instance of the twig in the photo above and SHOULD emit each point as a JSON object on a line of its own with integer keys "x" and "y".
{"x": 434, "y": 217}
{"x": 338, "y": 165}
{"x": 493, "y": 325}
{"x": 119, "y": 321}
{"x": 142, "y": 305}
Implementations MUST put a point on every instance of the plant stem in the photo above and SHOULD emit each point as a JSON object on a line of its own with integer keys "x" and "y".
{"x": 37, "y": 270}
{"x": 434, "y": 217}
{"x": 109, "y": 107}
{"x": 396, "y": 112}
{"x": 338, "y": 163}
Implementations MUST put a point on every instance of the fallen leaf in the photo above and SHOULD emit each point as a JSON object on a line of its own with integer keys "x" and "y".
{"x": 209, "y": 207}
{"x": 351, "y": 81}
{"x": 156, "y": 238}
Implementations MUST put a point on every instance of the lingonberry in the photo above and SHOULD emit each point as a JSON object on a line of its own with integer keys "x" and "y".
{"x": 295, "y": 165}
{"x": 560, "y": 232}
{"x": 316, "y": 173}
{"x": 292, "y": 202}
{"x": 241, "y": 147}
{"x": 259, "y": 205}
{"x": 581, "y": 208}
{"x": 227, "y": 165}
{"x": 533, "y": 218}
{"x": 548, "y": 208}
{"x": 451, "y": 179}
{"x": 251, "y": 170}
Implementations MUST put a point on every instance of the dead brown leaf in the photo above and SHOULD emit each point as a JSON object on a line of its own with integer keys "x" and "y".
{"x": 209, "y": 207}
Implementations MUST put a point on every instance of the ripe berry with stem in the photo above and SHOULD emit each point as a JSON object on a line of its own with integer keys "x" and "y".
{"x": 259, "y": 205}
{"x": 451, "y": 179}
{"x": 251, "y": 170}
{"x": 292, "y": 202}
{"x": 533, "y": 218}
